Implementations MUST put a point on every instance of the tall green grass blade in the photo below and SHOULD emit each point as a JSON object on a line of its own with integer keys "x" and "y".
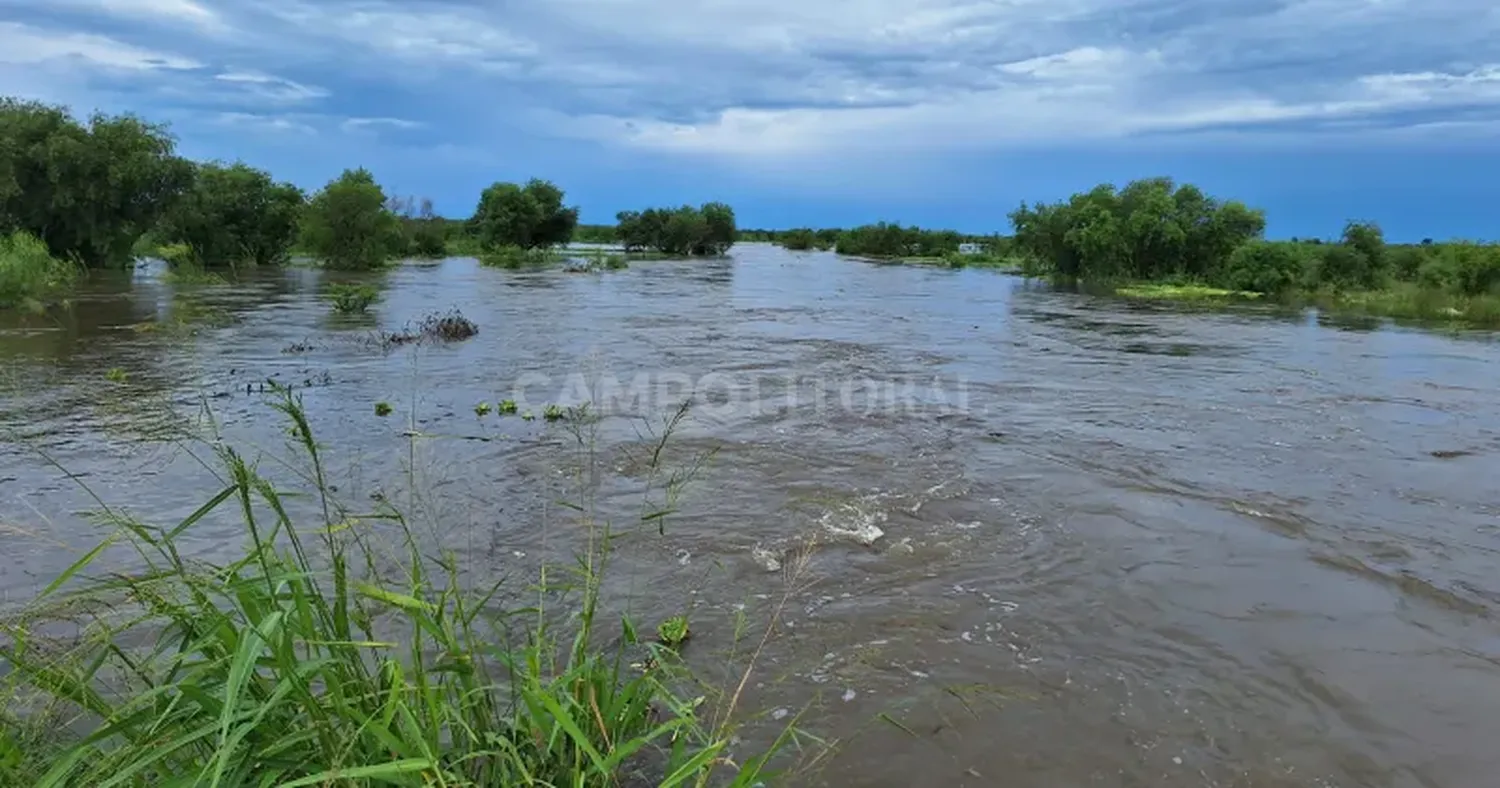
{"x": 385, "y": 772}
{"x": 67, "y": 574}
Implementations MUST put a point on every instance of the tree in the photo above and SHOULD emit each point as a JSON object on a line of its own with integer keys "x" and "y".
{"x": 87, "y": 190}
{"x": 1147, "y": 230}
{"x": 709, "y": 230}
{"x": 800, "y": 239}
{"x": 235, "y": 214}
{"x": 529, "y": 217}
{"x": 721, "y": 229}
{"x": 348, "y": 224}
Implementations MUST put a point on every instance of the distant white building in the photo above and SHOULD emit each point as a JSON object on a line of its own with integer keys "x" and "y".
{"x": 971, "y": 248}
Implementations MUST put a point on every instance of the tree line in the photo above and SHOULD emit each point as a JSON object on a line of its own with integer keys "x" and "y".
{"x": 99, "y": 191}
{"x": 1156, "y": 230}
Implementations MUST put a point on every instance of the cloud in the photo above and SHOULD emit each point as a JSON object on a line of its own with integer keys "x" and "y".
{"x": 757, "y": 82}
{"x": 274, "y": 124}
{"x": 25, "y": 45}
{"x": 363, "y": 124}
{"x": 270, "y": 87}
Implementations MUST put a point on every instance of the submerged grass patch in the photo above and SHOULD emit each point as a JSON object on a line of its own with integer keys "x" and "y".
{"x": 324, "y": 656}
{"x": 1182, "y": 292}
{"x": 352, "y": 298}
{"x": 517, "y": 257}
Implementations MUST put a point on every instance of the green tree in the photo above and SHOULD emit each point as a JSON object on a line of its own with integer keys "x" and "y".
{"x": 1368, "y": 239}
{"x": 721, "y": 230}
{"x": 1150, "y": 229}
{"x": 235, "y": 214}
{"x": 709, "y": 230}
{"x": 529, "y": 217}
{"x": 348, "y": 224}
{"x": 87, "y": 190}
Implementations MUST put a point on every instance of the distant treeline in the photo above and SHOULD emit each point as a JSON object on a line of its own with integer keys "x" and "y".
{"x": 97, "y": 192}
{"x": 1156, "y": 230}
{"x": 882, "y": 240}
{"x": 102, "y": 191}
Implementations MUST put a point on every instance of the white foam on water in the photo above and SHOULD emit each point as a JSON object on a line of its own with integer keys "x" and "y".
{"x": 856, "y": 522}
{"x": 767, "y": 559}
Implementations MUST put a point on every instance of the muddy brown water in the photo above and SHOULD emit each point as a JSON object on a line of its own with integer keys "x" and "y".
{"x": 1121, "y": 544}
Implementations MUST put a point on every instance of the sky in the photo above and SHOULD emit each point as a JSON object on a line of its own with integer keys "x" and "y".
{"x": 943, "y": 113}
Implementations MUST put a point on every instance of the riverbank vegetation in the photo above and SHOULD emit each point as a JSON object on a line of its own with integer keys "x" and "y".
{"x": 233, "y": 215}
{"x": 1154, "y": 231}
{"x": 30, "y": 275}
{"x": 87, "y": 189}
{"x": 342, "y": 652}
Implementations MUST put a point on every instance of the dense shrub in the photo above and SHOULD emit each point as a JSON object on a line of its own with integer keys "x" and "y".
{"x": 1344, "y": 267}
{"x": 234, "y": 214}
{"x": 1467, "y": 268}
{"x": 885, "y": 239}
{"x": 1265, "y": 267}
{"x": 799, "y": 240}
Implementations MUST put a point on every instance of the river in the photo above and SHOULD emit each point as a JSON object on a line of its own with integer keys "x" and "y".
{"x": 1119, "y": 543}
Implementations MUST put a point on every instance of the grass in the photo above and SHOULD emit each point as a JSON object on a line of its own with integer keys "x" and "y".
{"x": 1181, "y": 292}
{"x": 352, "y": 299}
{"x": 323, "y": 656}
{"x": 30, "y": 276}
{"x": 516, "y": 257}
{"x": 1416, "y": 303}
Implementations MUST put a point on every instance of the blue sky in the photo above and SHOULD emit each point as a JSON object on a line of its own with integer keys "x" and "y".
{"x": 815, "y": 112}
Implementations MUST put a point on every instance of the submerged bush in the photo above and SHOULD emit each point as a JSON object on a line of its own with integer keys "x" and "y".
{"x": 514, "y": 257}
{"x": 352, "y": 298}
{"x": 449, "y": 327}
{"x": 30, "y": 274}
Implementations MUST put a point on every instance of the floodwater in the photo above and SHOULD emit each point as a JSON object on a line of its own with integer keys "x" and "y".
{"x": 1118, "y": 544}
